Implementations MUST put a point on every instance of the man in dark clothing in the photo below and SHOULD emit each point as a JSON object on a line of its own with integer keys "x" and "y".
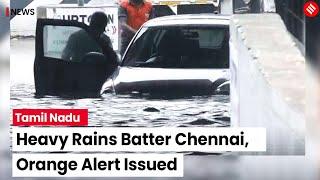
{"x": 81, "y": 42}
{"x": 78, "y": 45}
{"x": 132, "y": 15}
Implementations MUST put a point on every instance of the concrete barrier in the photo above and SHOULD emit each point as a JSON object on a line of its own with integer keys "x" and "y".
{"x": 268, "y": 81}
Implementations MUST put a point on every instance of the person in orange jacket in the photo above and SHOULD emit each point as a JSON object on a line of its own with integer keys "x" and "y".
{"x": 132, "y": 15}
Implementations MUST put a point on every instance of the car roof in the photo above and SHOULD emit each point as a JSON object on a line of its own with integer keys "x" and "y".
{"x": 189, "y": 19}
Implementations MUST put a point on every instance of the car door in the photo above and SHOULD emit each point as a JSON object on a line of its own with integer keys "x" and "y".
{"x": 68, "y": 60}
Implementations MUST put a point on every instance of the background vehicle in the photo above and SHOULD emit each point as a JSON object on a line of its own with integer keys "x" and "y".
{"x": 189, "y": 6}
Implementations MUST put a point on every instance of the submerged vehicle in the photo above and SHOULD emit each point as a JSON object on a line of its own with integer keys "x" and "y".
{"x": 170, "y": 55}
{"x": 176, "y": 55}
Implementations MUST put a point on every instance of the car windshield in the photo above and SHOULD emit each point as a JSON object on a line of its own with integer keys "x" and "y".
{"x": 180, "y": 47}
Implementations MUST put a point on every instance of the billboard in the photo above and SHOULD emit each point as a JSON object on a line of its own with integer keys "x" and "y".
{"x": 83, "y": 14}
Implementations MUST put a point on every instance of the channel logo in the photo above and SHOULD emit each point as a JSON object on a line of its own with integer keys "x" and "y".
{"x": 311, "y": 9}
{"x": 6, "y": 11}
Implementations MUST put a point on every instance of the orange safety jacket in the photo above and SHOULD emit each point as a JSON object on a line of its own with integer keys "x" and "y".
{"x": 136, "y": 16}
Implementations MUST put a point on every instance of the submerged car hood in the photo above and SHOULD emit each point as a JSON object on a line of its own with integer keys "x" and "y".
{"x": 128, "y": 80}
{"x": 136, "y": 74}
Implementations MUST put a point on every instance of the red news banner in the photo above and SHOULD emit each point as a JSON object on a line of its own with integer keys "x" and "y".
{"x": 50, "y": 117}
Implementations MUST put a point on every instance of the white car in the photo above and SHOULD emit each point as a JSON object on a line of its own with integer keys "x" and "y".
{"x": 176, "y": 55}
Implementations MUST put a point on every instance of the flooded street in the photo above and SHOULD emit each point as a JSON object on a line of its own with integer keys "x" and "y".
{"x": 114, "y": 110}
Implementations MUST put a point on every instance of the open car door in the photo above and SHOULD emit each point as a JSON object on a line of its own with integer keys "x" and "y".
{"x": 69, "y": 60}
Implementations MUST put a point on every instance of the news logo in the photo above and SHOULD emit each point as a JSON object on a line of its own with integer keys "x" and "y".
{"x": 7, "y": 12}
{"x": 311, "y": 9}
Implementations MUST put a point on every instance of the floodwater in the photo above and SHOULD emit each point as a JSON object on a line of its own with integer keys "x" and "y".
{"x": 113, "y": 110}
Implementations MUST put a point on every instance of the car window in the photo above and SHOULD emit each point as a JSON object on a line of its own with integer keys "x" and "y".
{"x": 67, "y": 43}
{"x": 180, "y": 47}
